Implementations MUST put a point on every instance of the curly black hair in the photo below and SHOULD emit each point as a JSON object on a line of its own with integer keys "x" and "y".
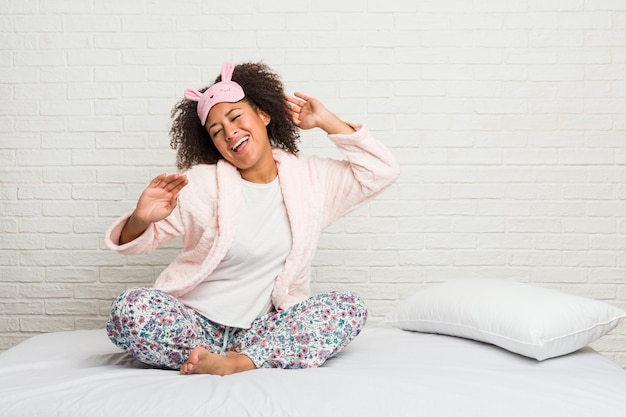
{"x": 263, "y": 90}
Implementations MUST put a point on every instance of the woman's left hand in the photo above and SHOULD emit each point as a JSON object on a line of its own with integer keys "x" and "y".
{"x": 308, "y": 112}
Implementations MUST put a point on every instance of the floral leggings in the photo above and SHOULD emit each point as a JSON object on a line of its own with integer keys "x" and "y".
{"x": 157, "y": 329}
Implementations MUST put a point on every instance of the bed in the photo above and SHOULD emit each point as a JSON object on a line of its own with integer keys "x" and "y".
{"x": 384, "y": 372}
{"x": 427, "y": 359}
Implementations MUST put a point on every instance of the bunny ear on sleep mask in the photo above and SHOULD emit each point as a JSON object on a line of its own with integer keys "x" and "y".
{"x": 225, "y": 91}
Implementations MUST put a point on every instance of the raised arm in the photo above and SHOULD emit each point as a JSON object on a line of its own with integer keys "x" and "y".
{"x": 156, "y": 202}
{"x": 369, "y": 168}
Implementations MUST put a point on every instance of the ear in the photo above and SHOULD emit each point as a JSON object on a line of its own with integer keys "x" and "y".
{"x": 264, "y": 117}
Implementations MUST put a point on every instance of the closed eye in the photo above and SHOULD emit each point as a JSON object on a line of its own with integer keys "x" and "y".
{"x": 216, "y": 132}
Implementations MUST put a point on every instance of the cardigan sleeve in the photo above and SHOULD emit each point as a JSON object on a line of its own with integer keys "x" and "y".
{"x": 369, "y": 168}
{"x": 157, "y": 234}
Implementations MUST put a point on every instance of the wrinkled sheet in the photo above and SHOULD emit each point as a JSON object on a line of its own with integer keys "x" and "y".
{"x": 384, "y": 372}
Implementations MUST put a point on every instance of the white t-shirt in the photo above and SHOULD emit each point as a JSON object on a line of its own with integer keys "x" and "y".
{"x": 239, "y": 290}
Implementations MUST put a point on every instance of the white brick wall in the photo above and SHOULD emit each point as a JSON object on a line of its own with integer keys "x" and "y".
{"x": 509, "y": 119}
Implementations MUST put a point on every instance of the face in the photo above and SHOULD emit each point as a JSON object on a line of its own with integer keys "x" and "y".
{"x": 239, "y": 133}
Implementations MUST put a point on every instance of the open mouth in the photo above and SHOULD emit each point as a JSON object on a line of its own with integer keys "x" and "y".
{"x": 239, "y": 143}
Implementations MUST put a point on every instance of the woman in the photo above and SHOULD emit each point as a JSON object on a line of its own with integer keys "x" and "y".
{"x": 249, "y": 210}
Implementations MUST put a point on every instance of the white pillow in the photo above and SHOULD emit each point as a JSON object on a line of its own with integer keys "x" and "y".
{"x": 533, "y": 321}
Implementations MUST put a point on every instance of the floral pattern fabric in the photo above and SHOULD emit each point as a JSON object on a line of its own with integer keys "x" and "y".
{"x": 157, "y": 329}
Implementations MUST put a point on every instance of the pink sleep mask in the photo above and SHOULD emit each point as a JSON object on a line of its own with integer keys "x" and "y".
{"x": 226, "y": 91}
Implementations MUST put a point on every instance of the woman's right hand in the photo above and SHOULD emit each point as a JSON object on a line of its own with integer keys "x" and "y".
{"x": 159, "y": 199}
{"x": 156, "y": 202}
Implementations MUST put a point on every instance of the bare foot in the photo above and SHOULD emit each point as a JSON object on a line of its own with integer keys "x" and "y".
{"x": 201, "y": 361}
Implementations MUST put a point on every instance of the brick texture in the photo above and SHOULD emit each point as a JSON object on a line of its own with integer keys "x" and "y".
{"x": 508, "y": 119}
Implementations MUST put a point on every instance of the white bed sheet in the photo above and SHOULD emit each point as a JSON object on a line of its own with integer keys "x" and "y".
{"x": 384, "y": 372}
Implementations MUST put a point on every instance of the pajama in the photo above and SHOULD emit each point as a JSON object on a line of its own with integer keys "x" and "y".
{"x": 157, "y": 329}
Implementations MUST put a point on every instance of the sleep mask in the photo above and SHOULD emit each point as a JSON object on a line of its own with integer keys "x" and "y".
{"x": 225, "y": 91}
